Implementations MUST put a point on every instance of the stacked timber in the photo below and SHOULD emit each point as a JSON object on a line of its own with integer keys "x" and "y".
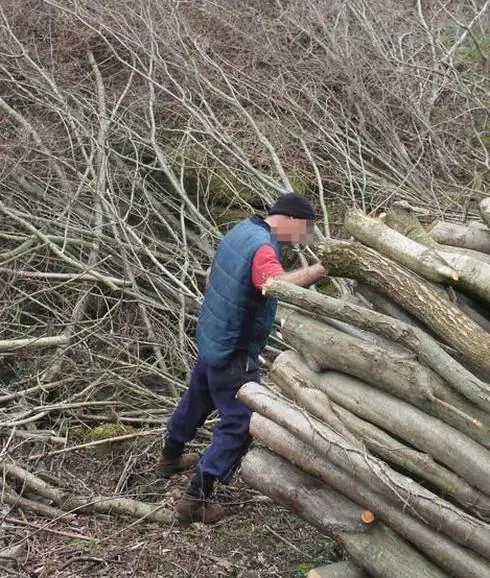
{"x": 376, "y": 427}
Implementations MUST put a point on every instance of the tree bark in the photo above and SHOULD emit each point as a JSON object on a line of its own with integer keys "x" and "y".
{"x": 444, "y": 443}
{"x": 401, "y": 218}
{"x": 454, "y": 559}
{"x": 440, "y": 514}
{"x": 458, "y": 235}
{"x": 414, "y": 256}
{"x": 427, "y": 349}
{"x": 381, "y": 444}
{"x": 379, "y": 550}
{"x": 386, "y": 305}
{"x": 485, "y": 210}
{"x": 345, "y": 569}
{"x": 399, "y": 375}
{"x": 353, "y": 260}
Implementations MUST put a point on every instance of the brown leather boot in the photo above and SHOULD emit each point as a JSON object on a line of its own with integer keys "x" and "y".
{"x": 168, "y": 467}
{"x": 192, "y": 509}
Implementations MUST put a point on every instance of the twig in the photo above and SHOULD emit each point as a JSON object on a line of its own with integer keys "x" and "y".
{"x": 155, "y": 431}
{"x": 31, "y": 343}
{"x": 46, "y": 528}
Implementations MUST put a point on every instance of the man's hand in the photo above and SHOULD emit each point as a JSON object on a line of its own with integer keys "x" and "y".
{"x": 306, "y": 276}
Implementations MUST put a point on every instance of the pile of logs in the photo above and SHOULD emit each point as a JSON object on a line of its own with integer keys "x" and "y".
{"x": 376, "y": 425}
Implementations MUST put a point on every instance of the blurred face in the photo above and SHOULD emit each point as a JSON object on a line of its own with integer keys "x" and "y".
{"x": 292, "y": 231}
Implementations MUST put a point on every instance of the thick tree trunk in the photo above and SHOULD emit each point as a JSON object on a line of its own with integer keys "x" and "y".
{"x": 440, "y": 514}
{"x": 386, "y": 305}
{"x": 400, "y": 375}
{"x": 353, "y": 260}
{"x": 444, "y": 443}
{"x": 379, "y": 550}
{"x": 454, "y": 559}
{"x": 361, "y": 334}
{"x": 419, "y": 463}
{"x": 478, "y": 225}
{"x": 485, "y": 210}
{"x": 381, "y": 444}
{"x": 461, "y": 236}
{"x": 427, "y": 349}
{"x": 345, "y": 569}
{"x": 414, "y": 256}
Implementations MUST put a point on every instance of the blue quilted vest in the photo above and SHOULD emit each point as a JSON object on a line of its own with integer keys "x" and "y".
{"x": 234, "y": 315}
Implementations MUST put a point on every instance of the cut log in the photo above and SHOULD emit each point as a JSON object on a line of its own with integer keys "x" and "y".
{"x": 370, "y": 470}
{"x": 457, "y": 561}
{"x": 485, "y": 210}
{"x": 378, "y": 549}
{"x": 309, "y": 498}
{"x": 459, "y": 235}
{"x": 368, "y": 336}
{"x": 318, "y": 404}
{"x": 477, "y": 255}
{"x": 345, "y": 569}
{"x": 426, "y": 348}
{"x": 399, "y": 375}
{"x": 468, "y": 273}
{"x": 353, "y": 260}
{"x": 416, "y": 257}
{"x": 380, "y": 443}
{"x": 404, "y": 220}
{"x": 444, "y": 443}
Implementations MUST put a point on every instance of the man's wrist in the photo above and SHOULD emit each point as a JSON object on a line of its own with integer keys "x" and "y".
{"x": 320, "y": 272}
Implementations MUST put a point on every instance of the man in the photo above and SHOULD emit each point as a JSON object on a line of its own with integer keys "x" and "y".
{"x": 235, "y": 321}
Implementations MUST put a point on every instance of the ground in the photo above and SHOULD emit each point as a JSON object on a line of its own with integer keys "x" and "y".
{"x": 259, "y": 538}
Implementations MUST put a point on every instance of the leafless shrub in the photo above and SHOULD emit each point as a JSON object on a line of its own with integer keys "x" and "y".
{"x": 131, "y": 131}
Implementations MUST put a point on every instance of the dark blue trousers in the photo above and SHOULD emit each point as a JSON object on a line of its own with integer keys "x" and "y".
{"x": 211, "y": 388}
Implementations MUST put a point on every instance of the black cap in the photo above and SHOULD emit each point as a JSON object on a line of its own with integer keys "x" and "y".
{"x": 293, "y": 205}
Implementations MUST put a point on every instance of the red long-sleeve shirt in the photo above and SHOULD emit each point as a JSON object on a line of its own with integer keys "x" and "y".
{"x": 265, "y": 264}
